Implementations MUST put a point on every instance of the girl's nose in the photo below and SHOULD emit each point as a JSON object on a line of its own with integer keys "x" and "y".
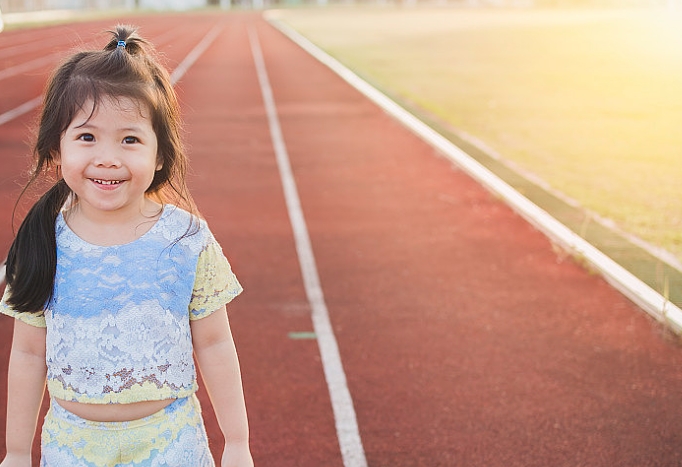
{"x": 107, "y": 158}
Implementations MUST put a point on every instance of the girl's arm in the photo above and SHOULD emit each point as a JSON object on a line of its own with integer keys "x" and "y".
{"x": 217, "y": 359}
{"x": 26, "y": 385}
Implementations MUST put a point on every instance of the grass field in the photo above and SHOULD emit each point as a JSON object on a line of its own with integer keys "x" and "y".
{"x": 590, "y": 101}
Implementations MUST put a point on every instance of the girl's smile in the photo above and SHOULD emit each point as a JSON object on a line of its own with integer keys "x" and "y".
{"x": 107, "y": 182}
{"x": 107, "y": 185}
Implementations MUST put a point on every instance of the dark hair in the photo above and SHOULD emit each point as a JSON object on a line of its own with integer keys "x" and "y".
{"x": 127, "y": 67}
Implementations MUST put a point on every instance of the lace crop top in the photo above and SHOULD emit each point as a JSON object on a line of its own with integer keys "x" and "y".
{"x": 118, "y": 327}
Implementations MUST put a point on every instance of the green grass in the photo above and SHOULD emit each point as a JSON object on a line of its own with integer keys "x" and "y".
{"x": 590, "y": 101}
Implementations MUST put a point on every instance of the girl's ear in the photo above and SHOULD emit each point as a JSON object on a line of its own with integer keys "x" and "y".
{"x": 56, "y": 157}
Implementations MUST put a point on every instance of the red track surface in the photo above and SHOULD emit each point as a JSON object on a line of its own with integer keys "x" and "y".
{"x": 466, "y": 341}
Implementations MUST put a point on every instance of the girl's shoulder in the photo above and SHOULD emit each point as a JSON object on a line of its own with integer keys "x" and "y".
{"x": 173, "y": 215}
{"x": 178, "y": 225}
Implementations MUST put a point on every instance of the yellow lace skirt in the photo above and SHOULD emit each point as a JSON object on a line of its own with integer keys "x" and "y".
{"x": 172, "y": 437}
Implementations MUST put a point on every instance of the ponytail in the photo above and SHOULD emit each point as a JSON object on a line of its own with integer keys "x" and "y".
{"x": 32, "y": 257}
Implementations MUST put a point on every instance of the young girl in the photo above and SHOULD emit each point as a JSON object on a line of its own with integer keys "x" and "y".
{"x": 114, "y": 289}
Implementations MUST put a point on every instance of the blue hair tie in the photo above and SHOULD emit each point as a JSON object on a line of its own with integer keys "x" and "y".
{"x": 121, "y": 45}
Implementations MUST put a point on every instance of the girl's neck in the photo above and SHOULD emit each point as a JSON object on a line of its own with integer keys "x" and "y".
{"x": 115, "y": 228}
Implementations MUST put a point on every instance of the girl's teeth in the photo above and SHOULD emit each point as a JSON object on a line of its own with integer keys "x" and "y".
{"x": 107, "y": 182}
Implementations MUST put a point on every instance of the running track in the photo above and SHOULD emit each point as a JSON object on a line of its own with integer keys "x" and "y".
{"x": 464, "y": 339}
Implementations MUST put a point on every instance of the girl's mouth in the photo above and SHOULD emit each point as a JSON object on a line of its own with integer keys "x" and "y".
{"x": 106, "y": 182}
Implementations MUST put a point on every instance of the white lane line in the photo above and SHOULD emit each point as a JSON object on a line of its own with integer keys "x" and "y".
{"x": 21, "y": 110}
{"x": 30, "y": 65}
{"x": 652, "y": 302}
{"x": 22, "y": 48}
{"x": 347, "y": 430}
{"x": 37, "y": 62}
{"x": 196, "y": 52}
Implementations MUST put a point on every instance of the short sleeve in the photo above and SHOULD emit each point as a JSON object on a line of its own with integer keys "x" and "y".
{"x": 34, "y": 319}
{"x": 214, "y": 285}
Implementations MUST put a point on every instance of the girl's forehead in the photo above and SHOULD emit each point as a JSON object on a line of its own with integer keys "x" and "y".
{"x": 118, "y": 107}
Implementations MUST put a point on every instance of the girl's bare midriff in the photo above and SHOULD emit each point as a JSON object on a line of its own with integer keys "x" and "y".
{"x": 114, "y": 412}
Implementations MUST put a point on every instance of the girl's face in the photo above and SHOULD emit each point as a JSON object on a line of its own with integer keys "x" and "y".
{"x": 109, "y": 158}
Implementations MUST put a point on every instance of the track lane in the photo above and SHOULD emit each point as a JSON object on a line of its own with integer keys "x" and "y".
{"x": 237, "y": 186}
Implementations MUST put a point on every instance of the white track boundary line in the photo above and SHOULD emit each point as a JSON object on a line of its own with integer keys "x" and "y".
{"x": 24, "y": 108}
{"x": 348, "y": 433}
{"x": 178, "y": 73}
{"x": 28, "y": 66}
{"x": 636, "y": 290}
{"x": 196, "y": 52}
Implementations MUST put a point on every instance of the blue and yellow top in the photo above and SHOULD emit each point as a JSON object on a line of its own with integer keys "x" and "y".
{"x": 118, "y": 325}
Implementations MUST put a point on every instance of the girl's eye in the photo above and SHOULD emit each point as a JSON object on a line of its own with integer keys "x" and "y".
{"x": 87, "y": 137}
{"x": 130, "y": 140}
